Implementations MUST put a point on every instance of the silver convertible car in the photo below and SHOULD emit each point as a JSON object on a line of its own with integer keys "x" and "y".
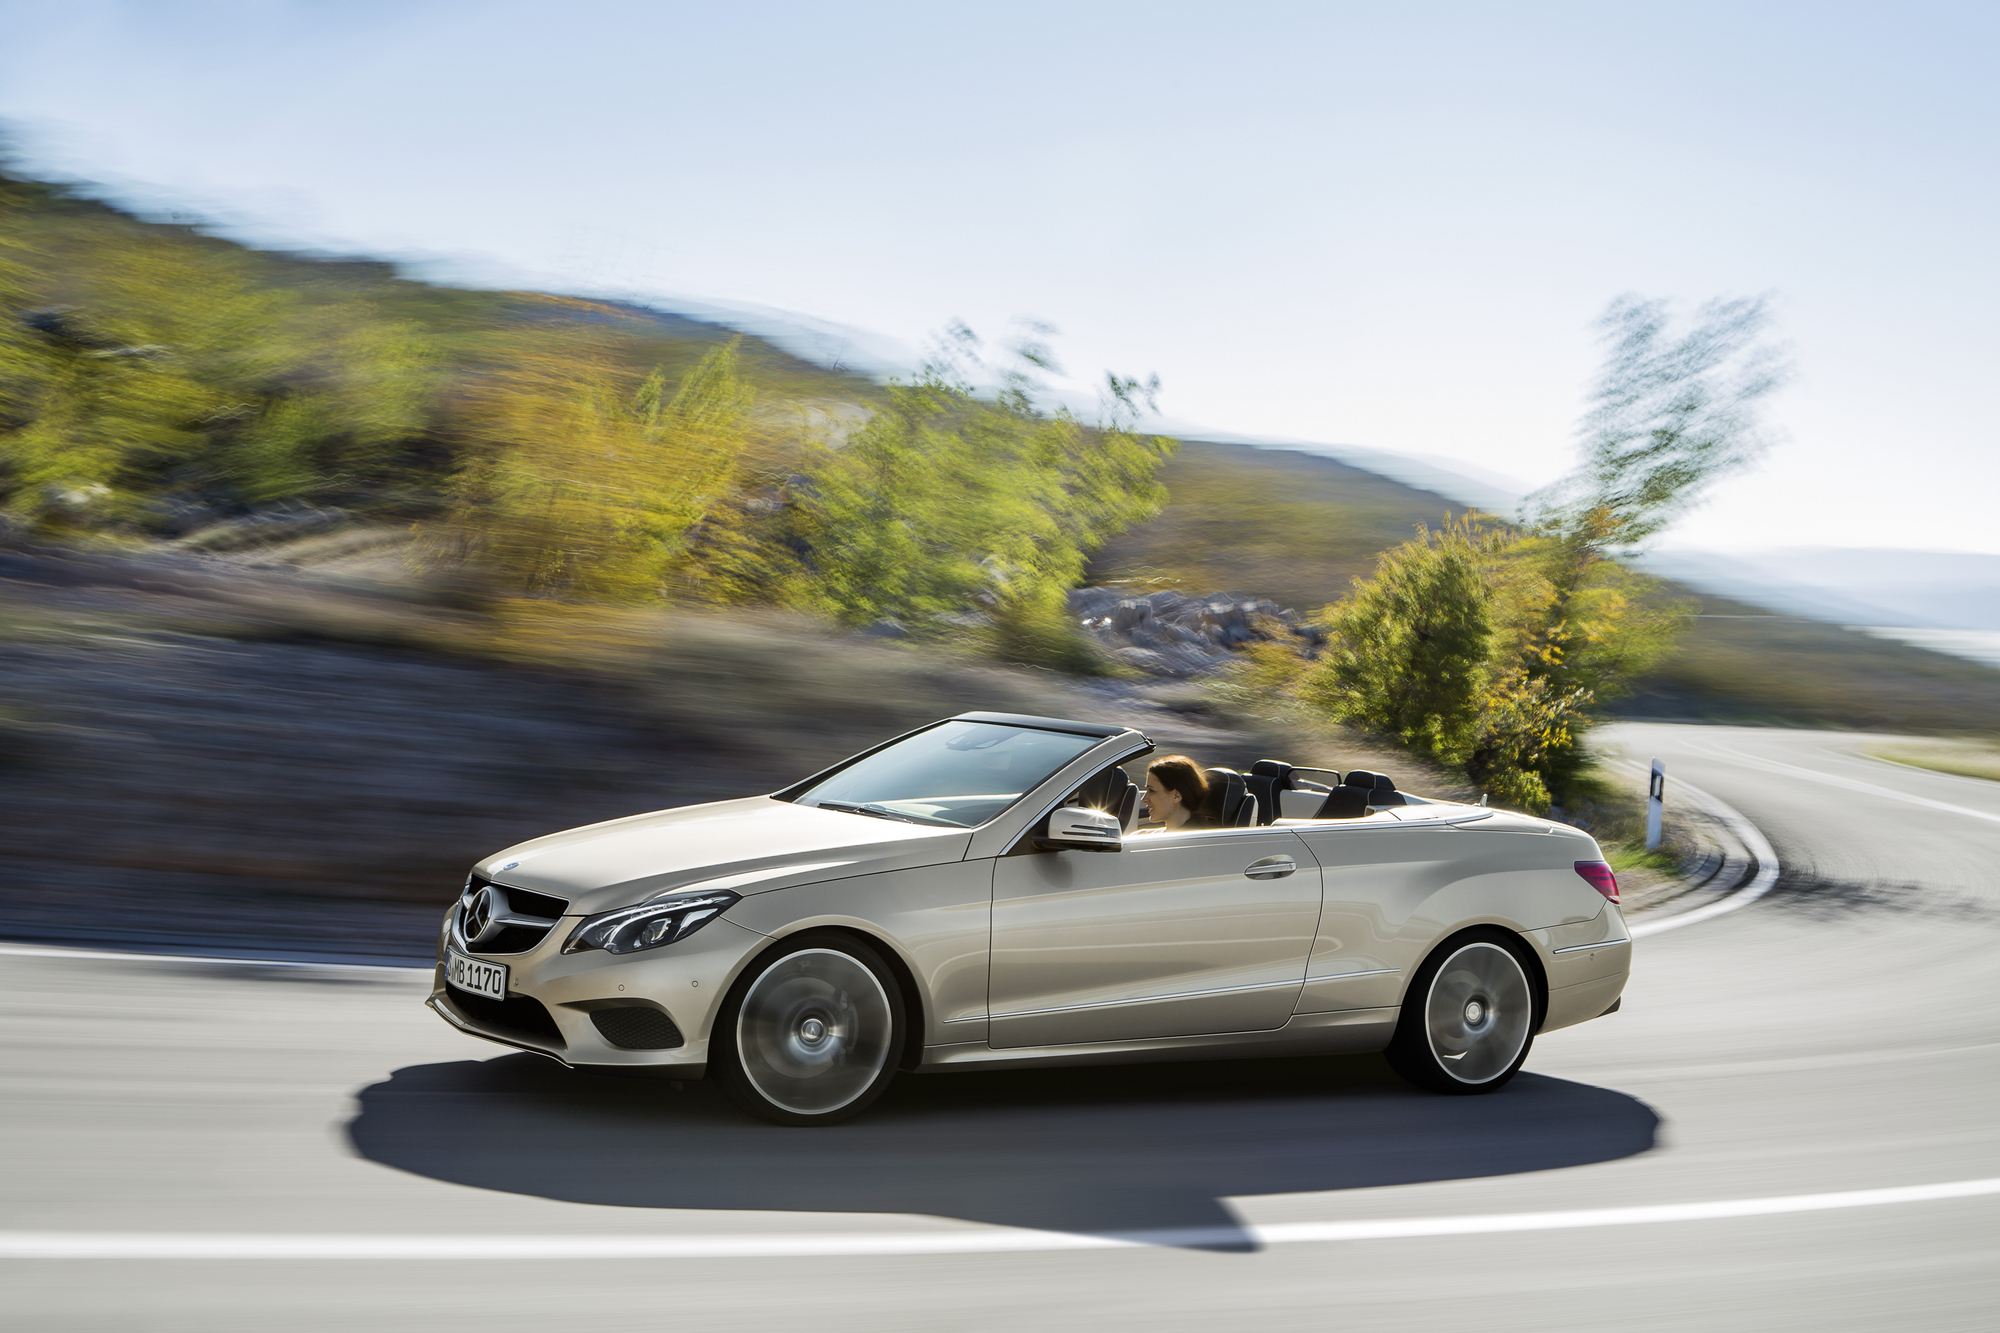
{"x": 977, "y": 894}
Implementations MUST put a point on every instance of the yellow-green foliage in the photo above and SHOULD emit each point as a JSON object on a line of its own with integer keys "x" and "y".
{"x": 588, "y": 486}
{"x": 1465, "y": 648}
{"x": 942, "y": 502}
{"x": 943, "y": 499}
{"x": 163, "y": 363}
{"x": 152, "y": 376}
{"x": 153, "y": 379}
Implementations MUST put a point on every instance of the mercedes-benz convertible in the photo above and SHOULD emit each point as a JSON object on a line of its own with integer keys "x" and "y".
{"x": 979, "y": 893}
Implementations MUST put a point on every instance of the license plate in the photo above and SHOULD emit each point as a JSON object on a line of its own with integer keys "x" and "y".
{"x": 469, "y": 974}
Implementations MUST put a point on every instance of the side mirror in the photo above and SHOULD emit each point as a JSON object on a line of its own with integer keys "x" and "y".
{"x": 1076, "y": 828}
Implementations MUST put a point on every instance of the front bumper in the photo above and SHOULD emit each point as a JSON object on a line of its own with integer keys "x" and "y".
{"x": 553, "y": 999}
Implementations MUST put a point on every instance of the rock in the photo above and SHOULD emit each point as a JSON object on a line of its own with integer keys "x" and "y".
{"x": 1171, "y": 633}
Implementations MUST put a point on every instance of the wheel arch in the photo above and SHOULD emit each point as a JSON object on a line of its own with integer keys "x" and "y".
{"x": 1468, "y": 930}
{"x": 915, "y": 1005}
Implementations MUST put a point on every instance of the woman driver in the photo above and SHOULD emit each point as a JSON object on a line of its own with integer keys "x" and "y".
{"x": 1175, "y": 787}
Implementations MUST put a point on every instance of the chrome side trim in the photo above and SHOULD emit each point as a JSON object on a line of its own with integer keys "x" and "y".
{"x": 1579, "y": 948}
{"x": 1148, "y": 999}
{"x": 1343, "y": 976}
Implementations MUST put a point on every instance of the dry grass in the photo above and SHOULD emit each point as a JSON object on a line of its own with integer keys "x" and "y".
{"x": 1735, "y": 665}
{"x": 1963, "y": 758}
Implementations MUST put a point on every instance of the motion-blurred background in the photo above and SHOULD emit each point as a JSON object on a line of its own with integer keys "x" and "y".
{"x": 430, "y": 424}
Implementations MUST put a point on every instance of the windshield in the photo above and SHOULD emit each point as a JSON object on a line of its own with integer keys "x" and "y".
{"x": 958, "y": 774}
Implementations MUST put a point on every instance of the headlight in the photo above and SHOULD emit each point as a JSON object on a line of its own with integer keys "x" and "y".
{"x": 649, "y": 925}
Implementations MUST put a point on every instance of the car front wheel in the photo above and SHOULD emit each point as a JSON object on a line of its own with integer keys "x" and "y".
{"x": 1469, "y": 1016}
{"x": 810, "y": 1033}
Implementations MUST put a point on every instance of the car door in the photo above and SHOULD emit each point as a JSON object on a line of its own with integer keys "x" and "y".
{"x": 1177, "y": 934}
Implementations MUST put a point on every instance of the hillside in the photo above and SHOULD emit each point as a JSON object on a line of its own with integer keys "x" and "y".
{"x": 184, "y": 378}
{"x": 1297, "y": 528}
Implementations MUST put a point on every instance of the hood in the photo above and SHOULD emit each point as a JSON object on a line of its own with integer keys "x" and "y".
{"x": 754, "y": 845}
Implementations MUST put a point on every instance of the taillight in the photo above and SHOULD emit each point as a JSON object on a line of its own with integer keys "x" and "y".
{"x": 1600, "y": 877}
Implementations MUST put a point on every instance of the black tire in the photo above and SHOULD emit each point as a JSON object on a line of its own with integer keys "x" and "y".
{"x": 810, "y": 1033}
{"x": 1472, "y": 1001}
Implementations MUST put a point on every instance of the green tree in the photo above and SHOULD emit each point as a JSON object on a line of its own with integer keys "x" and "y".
{"x": 1408, "y": 653}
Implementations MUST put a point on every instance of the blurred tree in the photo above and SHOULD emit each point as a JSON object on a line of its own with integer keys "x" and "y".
{"x": 1671, "y": 412}
{"x": 589, "y": 489}
{"x": 945, "y": 500}
{"x": 179, "y": 369}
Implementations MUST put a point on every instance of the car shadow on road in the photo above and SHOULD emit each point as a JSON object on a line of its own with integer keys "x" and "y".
{"x": 1124, "y": 1149}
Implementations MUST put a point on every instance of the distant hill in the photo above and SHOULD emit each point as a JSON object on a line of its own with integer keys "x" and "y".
{"x": 1299, "y": 528}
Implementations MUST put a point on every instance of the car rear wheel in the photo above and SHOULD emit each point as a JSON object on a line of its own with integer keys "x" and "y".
{"x": 1469, "y": 1017}
{"x": 810, "y": 1033}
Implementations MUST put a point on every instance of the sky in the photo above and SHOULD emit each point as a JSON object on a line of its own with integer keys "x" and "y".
{"x": 1388, "y": 226}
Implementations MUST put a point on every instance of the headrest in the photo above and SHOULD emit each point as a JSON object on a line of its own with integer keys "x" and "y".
{"x": 1344, "y": 803}
{"x": 1227, "y": 804}
{"x": 1267, "y": 778}
{"x": 1361, "y": 777}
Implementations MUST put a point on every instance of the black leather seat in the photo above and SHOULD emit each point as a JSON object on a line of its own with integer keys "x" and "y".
{"x": 1111, "y": 791}
{"x": 1377, "y": 789}
{"x": 1268, "y": 777}
{"x": 1229, "y": 803}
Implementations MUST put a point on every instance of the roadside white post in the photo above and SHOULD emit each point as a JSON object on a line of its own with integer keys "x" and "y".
{"x": 1656, "y": 800}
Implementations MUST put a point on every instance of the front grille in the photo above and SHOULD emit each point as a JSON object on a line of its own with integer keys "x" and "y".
{"x": 529, "y": 903}
{"x": 522, "y": 902}
{"x": 515, "y": 939}
{"x": 637, "y": 1028}
{"x": 520, "y": 1017}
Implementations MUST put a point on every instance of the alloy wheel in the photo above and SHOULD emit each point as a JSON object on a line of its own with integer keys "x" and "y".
{"x": 814, "y": 1032}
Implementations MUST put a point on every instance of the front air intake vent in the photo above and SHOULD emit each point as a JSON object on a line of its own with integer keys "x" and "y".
{"x": 520, "y": 1018}
{"x": 636, "y": 1028}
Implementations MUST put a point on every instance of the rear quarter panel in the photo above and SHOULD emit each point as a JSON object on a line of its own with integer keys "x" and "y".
{"x": 1393, "y": 893}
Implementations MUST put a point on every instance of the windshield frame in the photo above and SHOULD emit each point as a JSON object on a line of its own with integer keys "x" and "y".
{"x": 1097, "y": 733}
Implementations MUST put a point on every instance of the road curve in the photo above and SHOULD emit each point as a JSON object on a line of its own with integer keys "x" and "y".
{"x": 1789, "y": 1125}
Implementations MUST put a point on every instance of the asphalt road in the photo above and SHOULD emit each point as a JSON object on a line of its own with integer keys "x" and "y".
{"x": 306, "y": 1148}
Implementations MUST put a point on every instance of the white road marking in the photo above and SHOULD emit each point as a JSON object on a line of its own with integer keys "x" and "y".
{"x": 1753, "y": 842}
{"x": 210, "y": 1245}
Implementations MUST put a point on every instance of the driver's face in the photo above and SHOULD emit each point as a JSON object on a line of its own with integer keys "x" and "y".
{"x": 1160, "y": 799}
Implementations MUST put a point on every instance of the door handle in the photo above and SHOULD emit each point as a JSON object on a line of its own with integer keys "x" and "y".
{"x": 1271, "y": 867}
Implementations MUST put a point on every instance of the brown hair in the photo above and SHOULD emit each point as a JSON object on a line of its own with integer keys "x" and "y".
{"x": 1178, "y": 773}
